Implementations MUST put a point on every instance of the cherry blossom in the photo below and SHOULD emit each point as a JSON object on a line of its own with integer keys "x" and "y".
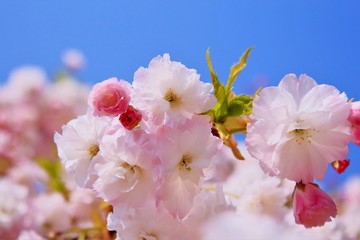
{"x": 298, "y": 128}
{"x": 110, "y": 97}
{"x": 167, "y": 89}
{"x": 126, "y": 174}
{"x": 354, "y": 119}
{"x": 354, "y": 116}
{"x": 141, "y": 224}
{"x": 78, "y": 145}
{"x": 13, "y": 205}
{"x": 50, "y": 212}
{"x": 185, "y": 152}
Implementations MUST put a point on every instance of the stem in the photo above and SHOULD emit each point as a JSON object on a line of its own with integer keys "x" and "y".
{"x": 237, "y": 130}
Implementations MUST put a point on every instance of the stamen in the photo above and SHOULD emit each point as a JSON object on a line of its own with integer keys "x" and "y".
{"x": 172, "y": 98}
{"x": 131, "y": 168}
{"x": 303, "y": 135}
{"x": 184, "y": 163}
{"x": 93, "y": 150}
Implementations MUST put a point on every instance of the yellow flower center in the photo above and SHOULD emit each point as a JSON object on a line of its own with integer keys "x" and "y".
{"x": 303, "y": 135}
{"x": 184, "y": 163}
{"x": 131, "y": 168}
{"x": 172, "y": 98}
{"x": 93, "y": 151}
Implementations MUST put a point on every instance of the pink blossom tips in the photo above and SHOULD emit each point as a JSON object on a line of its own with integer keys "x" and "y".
{"x": 110, "y": 97}
{"x": 312, "y": 206}
{"x": 354, "y": 119}
{"x": 354, "y": 116}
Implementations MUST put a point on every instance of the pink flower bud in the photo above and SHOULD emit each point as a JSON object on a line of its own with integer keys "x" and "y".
{"x": 354, "y": 116}
{"x": 312, "y": 206}
{"x": 110, "y": 97}
{"x": 130, "y": 118}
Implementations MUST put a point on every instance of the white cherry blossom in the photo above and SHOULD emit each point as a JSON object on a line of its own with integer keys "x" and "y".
{"x": 298, "y": 128}
{"x": 78, "y": 145}
{"x": 167, "y": 89}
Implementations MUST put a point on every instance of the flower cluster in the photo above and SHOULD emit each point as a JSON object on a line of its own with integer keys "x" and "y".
{"x": 161, "y": 152}
{"x": 143, "y": 148}
{"x": 37, "y": 200}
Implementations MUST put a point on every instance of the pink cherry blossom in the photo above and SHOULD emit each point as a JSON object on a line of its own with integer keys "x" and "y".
{"x": 222, "y": 166}
{"x": 28, "y": 174}
{"x": 146, "y": 223}
{"x": 351, "y": 207}
{"x": 354, "y": 119}
{"x": 312, "y": 206}
{"x": 351, "y": 190}
{"x": 298, "y": 128}
{"x": 78, "y": 145}
{"x": 81, "y": 206}
{"x": 30, "y": 234}
{"x": 126, "y": 174}
{"x": 231, "y": 226}
{"x": 64, "y": 100}
{"x": 207, "y": 205}
{"x": 13, "y": 204}
{"x": 185, "y": 151}
{"x": 110, "y": 97}
{"x": 354, "y": 116}
{"x": 26, "y": 81}
{"x": 169, "y": 89}
{"x": 50, "y": 213}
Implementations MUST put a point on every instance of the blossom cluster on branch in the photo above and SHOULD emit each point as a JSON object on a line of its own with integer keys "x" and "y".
{"x": 158, "y": 158}
{"x": 157, "y": 151}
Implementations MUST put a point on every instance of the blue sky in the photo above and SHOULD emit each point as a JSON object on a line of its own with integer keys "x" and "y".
{"x": 320, "y": 38}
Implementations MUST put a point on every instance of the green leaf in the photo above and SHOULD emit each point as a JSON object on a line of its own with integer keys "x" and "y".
{"x": 236, "y": 109}
{"x": 221, "y": 111}
{"x": 228, "y": 105}
{"x": 242, "y": 98}
{"x": 219, "y": 88}
{"x": 213, "y": 75}
{"x": 236, "y": 69}
{"x": 240, "y": 105}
